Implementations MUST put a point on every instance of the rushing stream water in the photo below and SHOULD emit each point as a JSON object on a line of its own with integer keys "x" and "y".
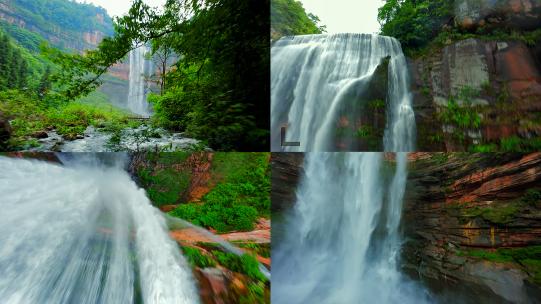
{"x": 85, "y": 233}
{"x": 313, "y": 78}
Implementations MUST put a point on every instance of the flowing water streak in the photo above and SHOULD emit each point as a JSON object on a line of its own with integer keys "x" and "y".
{"x": 84, "y": 233}
{"x": 314, "y": 78}
{"x": 139, "y": 68}
{"x": 343, "y": 241}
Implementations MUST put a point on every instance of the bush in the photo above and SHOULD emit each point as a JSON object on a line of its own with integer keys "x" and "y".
{"x": 224, "y": 209}
{"x": 246, "y": 264}
{"x": 196, "y": 258}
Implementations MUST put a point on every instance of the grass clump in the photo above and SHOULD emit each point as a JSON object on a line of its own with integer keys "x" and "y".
{"x": 29, "y": 115}
{"x": 245, "y": 264}
{"x": 529, "y": 258}
{"x": 198, "y": 259}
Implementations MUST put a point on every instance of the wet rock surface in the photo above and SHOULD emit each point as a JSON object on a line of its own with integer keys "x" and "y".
{"x": 287, "y": 168}
{"x": 461, "y": 208}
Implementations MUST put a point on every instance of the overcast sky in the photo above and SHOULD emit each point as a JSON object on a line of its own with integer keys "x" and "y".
{"x": 346, "y": 16}
{"x": 120, "y": 7}
{"x": 354, "y": 16}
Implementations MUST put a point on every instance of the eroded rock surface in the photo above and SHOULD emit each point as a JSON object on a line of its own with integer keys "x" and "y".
{"x": 462, "y": 210}
{"x": 519, "y": 14}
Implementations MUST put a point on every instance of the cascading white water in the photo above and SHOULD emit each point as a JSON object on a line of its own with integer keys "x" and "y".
{"x": 84, "y": 233}
{"x": 139, "y": 67}
{"x": 313, "y": 78}
{"x": 341, "y": 242}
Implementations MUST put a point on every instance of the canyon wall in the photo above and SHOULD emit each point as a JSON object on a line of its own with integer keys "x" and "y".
{"x": 473, "y": 223}
{"x": 493, "y": 69}
{"x": 287, "y": 169}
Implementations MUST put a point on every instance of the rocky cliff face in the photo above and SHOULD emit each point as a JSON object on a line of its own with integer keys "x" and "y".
{"x": 497, "y": 79}
{"x": 473, "y": 223}
{"x": 56, "y": 35}
{"x": 287, "y": 169}
{"x": 505, "y": 81}
{"x": 520, "y": 14}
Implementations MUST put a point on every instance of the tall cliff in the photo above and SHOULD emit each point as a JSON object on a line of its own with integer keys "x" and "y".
{"x": 67, "y": 25}
{"x": 473, "y": 225}
{"x": 486, "y": 61}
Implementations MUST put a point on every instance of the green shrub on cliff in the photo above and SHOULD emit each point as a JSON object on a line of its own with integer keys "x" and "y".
{"x": 240, "y": 196}
{"x": 288, "y": 17}
{"x": 225, "y": 208}
{"x": 414, "y": 22}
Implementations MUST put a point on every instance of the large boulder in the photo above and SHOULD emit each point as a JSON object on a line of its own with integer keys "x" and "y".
{"x": 518, "y": 14}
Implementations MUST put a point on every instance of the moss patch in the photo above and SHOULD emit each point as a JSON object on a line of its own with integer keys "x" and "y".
{"x": 527, "y": 258}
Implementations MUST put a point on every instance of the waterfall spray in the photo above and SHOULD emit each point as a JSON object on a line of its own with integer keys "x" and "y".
{"x": 139, "y": 68}
{"x": 85, "y": 233}
{"x": 343, "y": 241}
{"x": 314, "y": 78}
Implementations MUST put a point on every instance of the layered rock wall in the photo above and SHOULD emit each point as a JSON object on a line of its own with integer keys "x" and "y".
{"x": 470, "y": 220}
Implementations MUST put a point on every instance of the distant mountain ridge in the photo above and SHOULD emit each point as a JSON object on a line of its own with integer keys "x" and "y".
{"x": 65, "y": 24}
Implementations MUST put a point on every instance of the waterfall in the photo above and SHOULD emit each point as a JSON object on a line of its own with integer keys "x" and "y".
{"x": 139, "y": 68}
{"x": 315, "y": 79}
{"x": 84, "y": 232}
{"x": 341, "y": 242}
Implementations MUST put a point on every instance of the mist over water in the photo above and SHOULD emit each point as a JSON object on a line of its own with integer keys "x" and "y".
{"x": 85, "y": 233}
{"x": 314, "y": 76}
{"x": 342, "y": 241}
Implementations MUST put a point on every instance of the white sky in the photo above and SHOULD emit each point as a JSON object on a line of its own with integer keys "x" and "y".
{"x": 346, "y": 16}
{"x": 120, "y": 7}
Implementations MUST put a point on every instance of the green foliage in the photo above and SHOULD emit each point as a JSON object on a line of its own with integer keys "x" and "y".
{"x": 219, "y": 89}
{"x": 256, "y": 294}
{"x": 376, "y": 104}
{"x": 288, "y": 18}
{"x": 27, "y": 39}
{"x": 484, "y": 148}
{"x": 165, "y": 185}
{"x": 517, "y": 144}
{"x": 532, "y": 197}
{"x": 440, "y": 158}
{"x": 501, "y": 214}
{"x": 246, "y": 264}
{"x": 463, "y": 117}
{"x": 29, "y": 115}
{"x": 225, "y": 209}
{"x": 242, "y": 193}
{"x": 13, "y": 67}
{"x": 196, "y": 258}
{"x": 49, "y": 15}
{"x": 365, "y": 131}
{"x": 414, "y": 22}
{"x": 260, "y": 249}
